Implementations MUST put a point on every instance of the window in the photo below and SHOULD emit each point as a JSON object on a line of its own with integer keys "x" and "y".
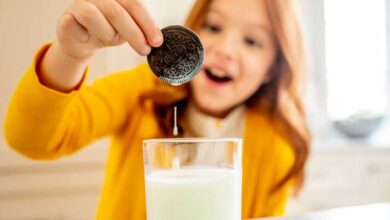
{"x": 349, "y": 68}
{"x": 355, "y": 36}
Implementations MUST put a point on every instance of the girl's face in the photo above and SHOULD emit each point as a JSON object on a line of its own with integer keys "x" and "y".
{"x": 240, "y": 49}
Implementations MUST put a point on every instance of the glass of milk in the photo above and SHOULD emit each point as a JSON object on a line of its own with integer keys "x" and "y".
{"x": 193, "y": 178}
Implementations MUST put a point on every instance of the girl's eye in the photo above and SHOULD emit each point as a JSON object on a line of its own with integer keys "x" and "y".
{"x": 212, "y": 27}
{"x": 253, "y": 43}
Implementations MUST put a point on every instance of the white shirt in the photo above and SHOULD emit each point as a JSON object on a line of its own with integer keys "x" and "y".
{"x": 202, "y": 125}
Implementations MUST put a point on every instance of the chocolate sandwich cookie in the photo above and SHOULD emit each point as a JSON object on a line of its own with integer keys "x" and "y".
{"x": 179, "y": 59}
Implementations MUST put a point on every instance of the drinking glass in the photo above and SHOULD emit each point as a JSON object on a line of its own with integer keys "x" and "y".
{"x": 193, "y": 178}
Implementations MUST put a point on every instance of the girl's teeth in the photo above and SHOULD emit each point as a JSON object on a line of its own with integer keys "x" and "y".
{"x": 217, "y": 73}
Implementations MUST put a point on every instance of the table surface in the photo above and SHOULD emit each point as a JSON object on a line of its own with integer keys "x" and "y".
{"x": 377, "y": 211}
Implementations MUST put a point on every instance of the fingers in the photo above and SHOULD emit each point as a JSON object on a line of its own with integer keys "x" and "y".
{"x": 123, "y": 22}
{"x": 93, "y": 20}
{"x": 144, "y": 21}
{"x": 111, "y": 22}
{"x": 68, "y": 26}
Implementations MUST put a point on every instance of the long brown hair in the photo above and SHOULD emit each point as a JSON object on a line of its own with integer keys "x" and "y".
{"x": 282, "y": 96}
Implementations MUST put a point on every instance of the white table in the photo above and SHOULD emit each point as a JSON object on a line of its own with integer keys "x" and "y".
{"x": 378, "y": 211}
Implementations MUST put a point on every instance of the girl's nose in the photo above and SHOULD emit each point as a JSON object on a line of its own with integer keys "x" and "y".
{"x": 225, "y": 46}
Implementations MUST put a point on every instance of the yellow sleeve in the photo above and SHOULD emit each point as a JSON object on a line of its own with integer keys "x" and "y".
{"x": 284, "y": 160}
{"x": 42, "y": 123}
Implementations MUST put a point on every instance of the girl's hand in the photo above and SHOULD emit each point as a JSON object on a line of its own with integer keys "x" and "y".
{"x": 88, "y": 25}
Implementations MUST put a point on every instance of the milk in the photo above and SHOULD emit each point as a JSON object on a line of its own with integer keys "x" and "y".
{"x": 194, "y": 194}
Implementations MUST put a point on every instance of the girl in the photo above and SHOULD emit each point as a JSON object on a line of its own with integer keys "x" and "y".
{"x": 254, "y": 45}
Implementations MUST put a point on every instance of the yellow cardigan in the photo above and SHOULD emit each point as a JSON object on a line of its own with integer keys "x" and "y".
{"x": 45, "y": 124}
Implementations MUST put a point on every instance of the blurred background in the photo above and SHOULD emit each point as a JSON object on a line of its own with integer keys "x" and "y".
{"x": 348, "y": 50}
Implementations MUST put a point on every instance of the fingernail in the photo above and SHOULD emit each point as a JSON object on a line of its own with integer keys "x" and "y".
{"x": 146, "y": 50}
{"x": 158, "y": 39}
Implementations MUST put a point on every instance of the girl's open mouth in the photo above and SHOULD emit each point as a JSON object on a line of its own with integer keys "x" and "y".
{"x": 217, "y": 76}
